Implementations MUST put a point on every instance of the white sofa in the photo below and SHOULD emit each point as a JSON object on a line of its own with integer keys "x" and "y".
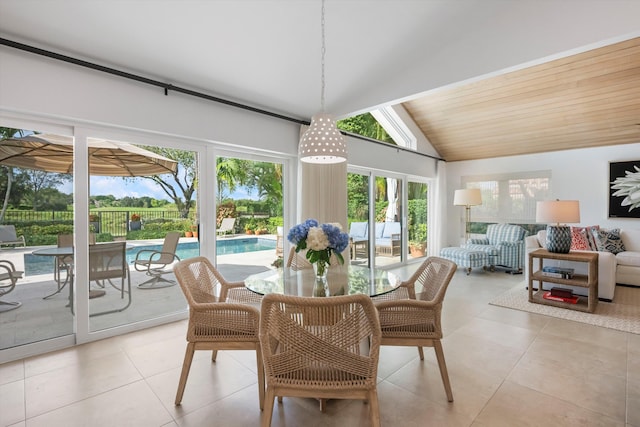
{"x": 623, "y": 268}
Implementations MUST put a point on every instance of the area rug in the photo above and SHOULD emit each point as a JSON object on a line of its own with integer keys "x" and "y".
{"x": 622, "y": 314}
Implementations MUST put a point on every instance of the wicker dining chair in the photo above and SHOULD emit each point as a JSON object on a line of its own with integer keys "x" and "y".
{"x": 297, "y": 261}
{"x": 411, "y": 316}
{"x": 216, "y": 320}
{"x": 320, "y": 348}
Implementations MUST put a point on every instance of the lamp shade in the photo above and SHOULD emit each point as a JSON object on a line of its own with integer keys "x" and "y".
{"x": 467, "y": 197}
{"x": 558, "y": 211}
{"x": 322, "y": 142}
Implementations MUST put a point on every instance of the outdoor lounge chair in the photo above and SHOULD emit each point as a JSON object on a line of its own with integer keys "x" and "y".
{"x": 8, "y": 279}
{"x": 226, "y": 226}
{"x": 108, "y": 263}
{"x": 157, "y": 263}
{"x": 8, "y": 236}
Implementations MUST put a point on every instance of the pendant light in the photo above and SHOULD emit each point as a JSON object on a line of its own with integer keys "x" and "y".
{"x": 322, "y": 142}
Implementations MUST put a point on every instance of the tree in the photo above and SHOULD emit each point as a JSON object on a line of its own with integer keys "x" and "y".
{"x": 266, "y": 178}
{"x": 231, "y": 173}
{"x": 365, "y": 125}
{"x": 39, "y": 181}
{"x": 6, "y": 133}
{"x": 181, "y": 184}
{"x": 357, "y": 202}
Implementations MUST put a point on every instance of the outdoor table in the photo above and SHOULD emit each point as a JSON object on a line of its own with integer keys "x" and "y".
{"x": 62, "y": 255}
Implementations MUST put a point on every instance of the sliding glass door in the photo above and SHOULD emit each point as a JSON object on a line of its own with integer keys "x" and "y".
{"x": 417, "y": 225}
{"x": 249, "y": 215}
{"x": 358, "y": 216}
{"x": 143, "y": 219}
{"x": 37, "y": 206}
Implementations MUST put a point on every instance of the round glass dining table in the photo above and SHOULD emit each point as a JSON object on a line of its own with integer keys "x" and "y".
{"x": 341, "y": 280}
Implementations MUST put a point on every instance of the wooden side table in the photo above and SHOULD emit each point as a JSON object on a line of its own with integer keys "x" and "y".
{"x": 590, "y": 280}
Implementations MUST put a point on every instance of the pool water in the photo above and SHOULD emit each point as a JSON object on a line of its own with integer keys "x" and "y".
{"x": 34, "y": 265}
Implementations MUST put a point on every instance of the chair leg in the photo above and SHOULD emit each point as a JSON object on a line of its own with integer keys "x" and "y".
{"x": 186, "y": 366}
{"x": 214, "y": 354}
{"x": 153, "y": 283}
{"x": 8, "y": 306}
{"x": 421, "y": 353}
{"x": 437, "y": 345}
{"x": 268, "y": 408}
{"x": 260, "y": 368}
{"x": 374, "y": 408}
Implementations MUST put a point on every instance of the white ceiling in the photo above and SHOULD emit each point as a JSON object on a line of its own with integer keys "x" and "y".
{"x": 266, "y": 53}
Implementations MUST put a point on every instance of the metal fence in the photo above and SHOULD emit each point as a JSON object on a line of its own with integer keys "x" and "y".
{"x": 115, "y": 222}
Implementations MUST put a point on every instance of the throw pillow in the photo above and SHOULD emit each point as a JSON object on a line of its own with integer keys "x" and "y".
{"x": 608, "y": 240}
{"x": 579, "y": 241}
{"x": 589, "y": 235}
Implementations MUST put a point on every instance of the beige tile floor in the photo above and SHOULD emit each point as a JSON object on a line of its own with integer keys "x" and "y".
{"x": 507, "y": 368}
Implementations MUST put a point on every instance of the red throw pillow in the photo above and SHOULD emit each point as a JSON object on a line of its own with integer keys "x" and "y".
{"x": 579, "y": 241}
{"x": 589, "y": 236}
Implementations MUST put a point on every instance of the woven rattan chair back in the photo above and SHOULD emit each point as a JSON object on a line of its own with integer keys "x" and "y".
{"x": 431, "y": 279}
{"x": 320, "y": 347}
{"x": 411, "y": 316}
{"x": 215, "y": 321}
{"x": 298, "y": 260}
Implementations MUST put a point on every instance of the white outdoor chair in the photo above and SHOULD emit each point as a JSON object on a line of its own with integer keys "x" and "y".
{"x": 158, "y": 263}
{"x": 226, "y": 226}
{"x": 8, "y": 236}
{"x": 8, "y": 279}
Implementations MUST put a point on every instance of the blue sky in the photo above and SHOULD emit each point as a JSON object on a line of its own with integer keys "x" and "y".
{"x": 119, "y": 188}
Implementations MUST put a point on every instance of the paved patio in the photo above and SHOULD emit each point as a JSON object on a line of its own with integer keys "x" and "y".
{"x": 40, "y": 319}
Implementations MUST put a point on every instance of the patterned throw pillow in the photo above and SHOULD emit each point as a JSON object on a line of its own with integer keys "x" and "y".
{"x": 589, "y": 236}
{"x": 579, "y": 241}
{"x": 608, "y": 240}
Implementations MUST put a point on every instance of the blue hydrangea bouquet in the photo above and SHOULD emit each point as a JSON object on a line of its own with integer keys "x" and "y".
{"x": 320, "y": 241}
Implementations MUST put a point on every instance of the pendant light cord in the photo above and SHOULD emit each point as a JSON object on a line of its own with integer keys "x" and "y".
{"x": 322, "y": 51}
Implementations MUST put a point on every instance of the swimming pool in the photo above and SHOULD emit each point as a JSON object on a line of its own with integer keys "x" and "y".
{"x": 34, "y": 265}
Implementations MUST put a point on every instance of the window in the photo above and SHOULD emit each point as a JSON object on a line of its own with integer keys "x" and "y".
{"x": 509, "y": 198}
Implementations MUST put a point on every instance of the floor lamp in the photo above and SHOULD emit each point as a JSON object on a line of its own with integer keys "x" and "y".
{"x": 467, "y": 198}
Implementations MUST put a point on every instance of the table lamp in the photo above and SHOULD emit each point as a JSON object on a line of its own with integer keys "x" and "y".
{"x": 467, "y": 198}
{"x": 558, "y": 211}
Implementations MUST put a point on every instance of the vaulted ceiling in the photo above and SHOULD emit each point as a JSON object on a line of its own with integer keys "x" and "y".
{"x": 589, "y": 99}
{"x": 266, "y": 54}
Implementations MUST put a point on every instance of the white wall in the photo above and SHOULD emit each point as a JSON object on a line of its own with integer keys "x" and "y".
{"x": 68, "y": 94}
{"x": 581, "y": 174}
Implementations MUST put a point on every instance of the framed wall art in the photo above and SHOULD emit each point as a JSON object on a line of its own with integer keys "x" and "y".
{"x": 624, "y": 189}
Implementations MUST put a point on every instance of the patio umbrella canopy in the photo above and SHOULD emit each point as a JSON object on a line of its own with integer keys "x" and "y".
{"x": 54, "y": 153}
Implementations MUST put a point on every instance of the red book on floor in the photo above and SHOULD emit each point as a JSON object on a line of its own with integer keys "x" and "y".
{"x": 572, "y": 300}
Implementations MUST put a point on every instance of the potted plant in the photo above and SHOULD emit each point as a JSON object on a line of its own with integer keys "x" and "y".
{"x": 194, "y": 230}
{"x": 418, "y": 240}
{"x": 187, "y": 230}
{"x": 250, "y": 226}
{"x": 135, "y": 222}
{"x": 94, "y": 223}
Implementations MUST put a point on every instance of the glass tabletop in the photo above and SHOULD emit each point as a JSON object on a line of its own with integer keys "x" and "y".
{"x": 341, "y": 280}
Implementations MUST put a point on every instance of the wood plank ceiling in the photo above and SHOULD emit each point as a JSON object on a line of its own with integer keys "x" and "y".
{"x": 590, "y": 99}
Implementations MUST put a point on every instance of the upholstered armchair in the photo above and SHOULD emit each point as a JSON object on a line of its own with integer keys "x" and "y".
{"x": 504, "y": 244}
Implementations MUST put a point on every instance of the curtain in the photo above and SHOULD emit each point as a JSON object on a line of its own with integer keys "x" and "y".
{"x": 438, "y": 217}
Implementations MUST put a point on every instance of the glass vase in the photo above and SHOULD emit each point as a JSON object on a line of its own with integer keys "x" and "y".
{"x": 321, "y": 268}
